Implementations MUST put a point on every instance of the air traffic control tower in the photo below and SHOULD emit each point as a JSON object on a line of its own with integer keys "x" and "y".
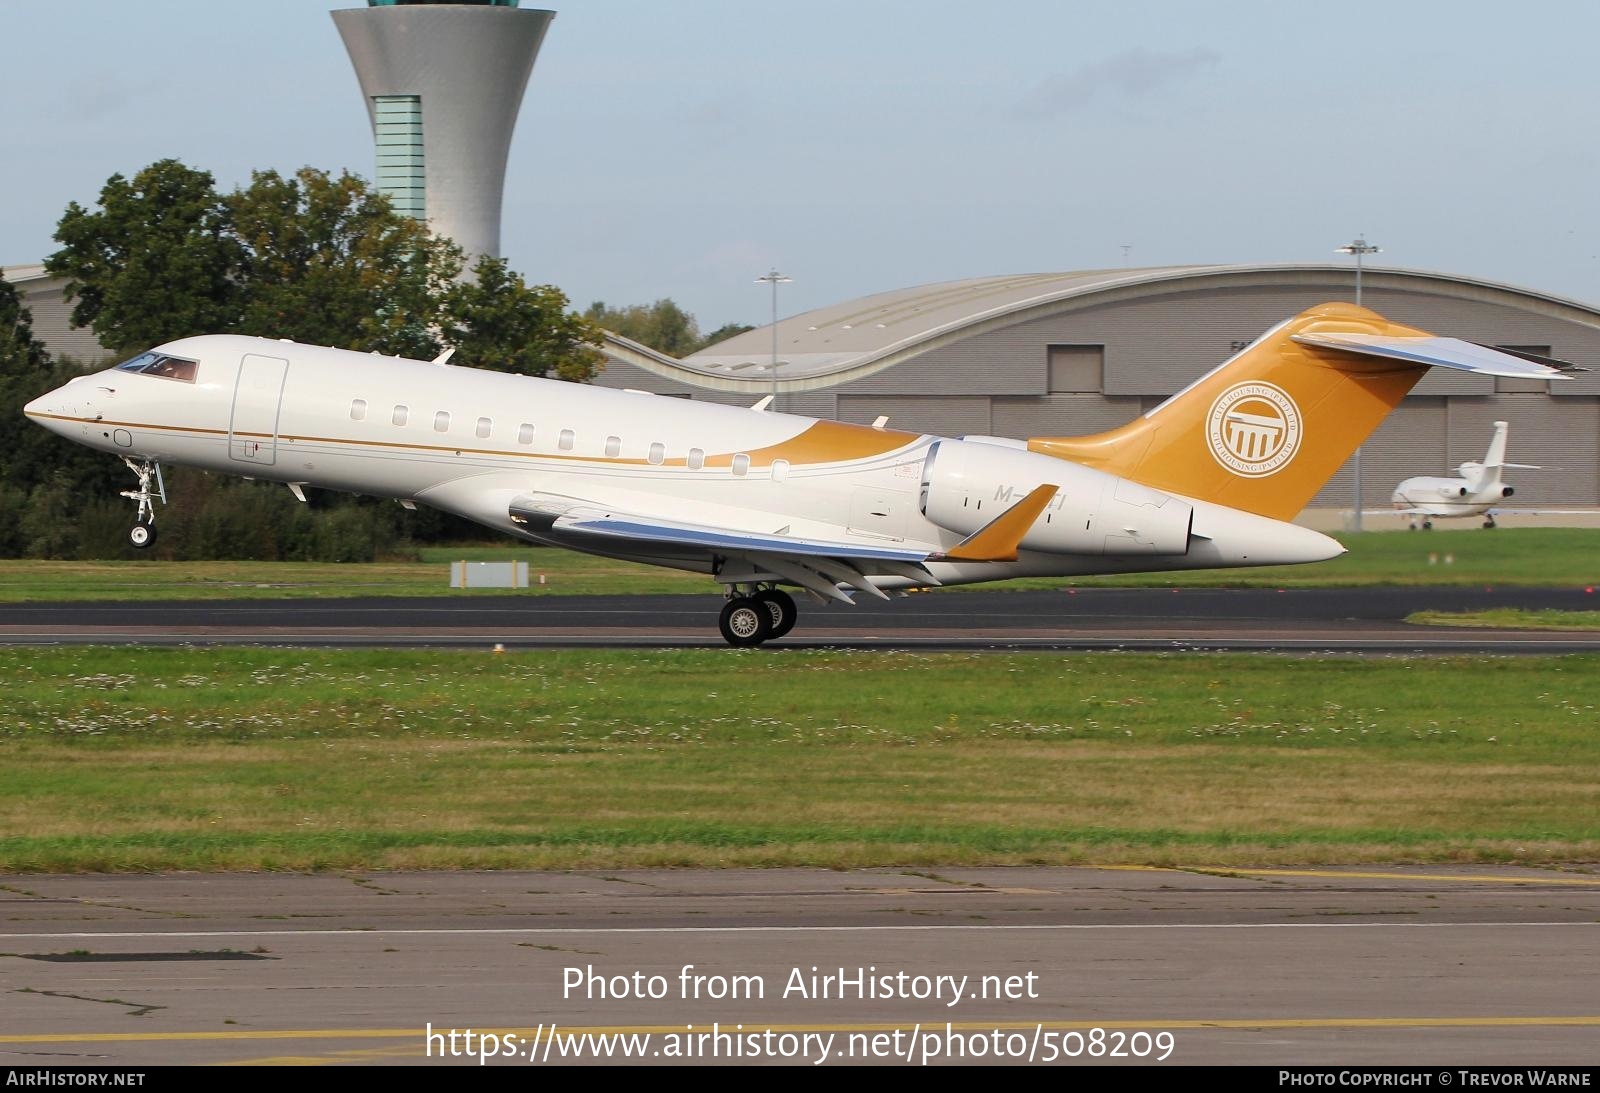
{"x": 443, "y": 82}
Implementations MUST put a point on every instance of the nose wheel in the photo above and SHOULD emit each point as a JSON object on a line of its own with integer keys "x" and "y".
{"x": 143, "y": 532}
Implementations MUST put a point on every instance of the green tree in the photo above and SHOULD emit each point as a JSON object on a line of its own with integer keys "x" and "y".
{"x": 155, "y": 261}
{"x": 310, "y": 256}
{"x": 495, "y": 320}
{"x": 313, "y": 257}
{"x": 663, "y": 325}
{"x": 31, "y": 454}
{"x": 723, "y": 333}
{"x": 327, "y": 261}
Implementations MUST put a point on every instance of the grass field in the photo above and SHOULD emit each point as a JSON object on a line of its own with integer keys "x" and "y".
{"x": 1511, "y": 618}
{"x": 138, "y": 759}
{"x": 1531, "y": 556}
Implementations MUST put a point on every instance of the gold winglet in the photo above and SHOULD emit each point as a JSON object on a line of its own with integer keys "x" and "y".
{"x": 997, "y": 540}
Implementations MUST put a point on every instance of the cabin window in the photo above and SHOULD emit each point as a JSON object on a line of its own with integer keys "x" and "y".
{"x": 780, "y": 469}
{"x": 658, "y": 454}
{"x": 484, "y": 425}
{"x": 741, "y": 465}
{"x": 441, "y": 422}
{"x": 613, "y": 446}
{"x": 401, "y": 415}
{"x": 566, "y": 440}
{"x": 525, "y": 434}
{"x": 358, "y": 409}
{"x": 697, "y": 458}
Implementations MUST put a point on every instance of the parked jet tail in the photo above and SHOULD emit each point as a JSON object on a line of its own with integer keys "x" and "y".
{"x": 1268, "y": 428}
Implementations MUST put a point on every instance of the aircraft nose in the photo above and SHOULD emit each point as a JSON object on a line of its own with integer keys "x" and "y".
{"x": 40, "y": 406}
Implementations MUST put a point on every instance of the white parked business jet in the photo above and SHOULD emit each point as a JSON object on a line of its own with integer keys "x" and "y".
{"x": 760, "y": 500}
{"x": 1476, "y": 492}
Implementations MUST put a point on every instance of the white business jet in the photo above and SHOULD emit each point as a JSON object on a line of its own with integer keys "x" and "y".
{"x": 1476, "y": 492}
{"x": 762, "y": 501}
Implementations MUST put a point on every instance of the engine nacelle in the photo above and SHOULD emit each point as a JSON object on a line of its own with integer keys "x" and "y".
{"x": 966, "y": 485}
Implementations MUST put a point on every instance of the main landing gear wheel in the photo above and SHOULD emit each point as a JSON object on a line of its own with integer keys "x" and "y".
{"x": 784, "y": 612}
{"x": 745, "y": 621}
{"x": 142, "y": 535}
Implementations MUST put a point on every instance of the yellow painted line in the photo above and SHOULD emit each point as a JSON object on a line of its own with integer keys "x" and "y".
{"x": 534, "y": 1035}
{"x": 1337, "y": 874}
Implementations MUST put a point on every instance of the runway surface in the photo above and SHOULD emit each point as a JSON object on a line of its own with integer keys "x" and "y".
{"x": 1350, "y": 620}
{"x": 1320, "y": 966}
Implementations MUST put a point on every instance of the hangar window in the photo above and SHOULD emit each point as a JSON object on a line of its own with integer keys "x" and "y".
{"x": 658, "y": 454}
{"x": 401, "y": 415}
{"x": 484, "y": 425}
{"x": 358, "y": 409}
{"x": 441, "y": 422}
{"x": 1509, "y": 385}
{"x": 1076, "y": 369}
{"x": 697, "y": 458}
{"x": 525, "y": 434}
{"x": 567, "y": 439}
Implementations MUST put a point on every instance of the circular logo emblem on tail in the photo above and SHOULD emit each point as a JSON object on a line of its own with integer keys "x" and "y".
{"x": 1253, "y": 429}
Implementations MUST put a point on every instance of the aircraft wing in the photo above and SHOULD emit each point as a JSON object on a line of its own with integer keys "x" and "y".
{"x": 1435, "y": 351}
{"x": 819, "y": 564}
{"x": 650, "y": 530}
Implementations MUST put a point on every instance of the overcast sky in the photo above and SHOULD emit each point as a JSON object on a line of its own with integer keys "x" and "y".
{"x": 682, "y": 148}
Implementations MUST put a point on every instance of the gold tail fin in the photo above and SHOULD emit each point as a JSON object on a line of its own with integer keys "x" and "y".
{"x": 1267, "y": 429}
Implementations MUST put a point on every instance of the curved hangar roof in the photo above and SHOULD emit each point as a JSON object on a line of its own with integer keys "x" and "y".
{"x": 856, "y": 338}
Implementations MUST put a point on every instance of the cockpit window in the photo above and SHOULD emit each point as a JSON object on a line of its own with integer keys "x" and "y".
{"x": 159, "y": 364}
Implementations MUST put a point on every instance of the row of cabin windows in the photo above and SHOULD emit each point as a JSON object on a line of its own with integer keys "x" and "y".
{"x": 567, "y": 439}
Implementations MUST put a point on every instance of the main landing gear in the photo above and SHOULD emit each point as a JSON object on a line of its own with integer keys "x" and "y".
{"x": 143, "y": 532}
{"x": 763, "y": 615}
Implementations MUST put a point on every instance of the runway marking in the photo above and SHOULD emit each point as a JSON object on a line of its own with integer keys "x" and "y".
{"x": 1229, "y": 870}
{"x": 533, "y": 1035}
{"x": 379, "y": 931}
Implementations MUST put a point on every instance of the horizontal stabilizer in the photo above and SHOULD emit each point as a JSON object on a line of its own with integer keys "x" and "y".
{"x": 1433, "y": 351}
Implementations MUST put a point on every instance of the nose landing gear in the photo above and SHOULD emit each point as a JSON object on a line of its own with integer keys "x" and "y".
{"x": 143, "y": 532}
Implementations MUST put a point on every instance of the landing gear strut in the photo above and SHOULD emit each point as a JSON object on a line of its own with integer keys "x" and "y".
{"x": 143, "y": 532}
{"x": 1488, "y": 522}
{"x": 749, "y": 620}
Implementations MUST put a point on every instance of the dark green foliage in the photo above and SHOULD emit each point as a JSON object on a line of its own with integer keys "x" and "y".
{"x": 155, "y": 261}
{"x": 723, "y": 333}
{"x": 497, "y": 321}
{"x": 318, "y": 258}
{"x": 662, "y": 326}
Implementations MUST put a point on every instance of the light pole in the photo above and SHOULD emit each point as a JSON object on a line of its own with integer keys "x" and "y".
{"x": 1358, "y": 247}
{"x": 774, "y": 278}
